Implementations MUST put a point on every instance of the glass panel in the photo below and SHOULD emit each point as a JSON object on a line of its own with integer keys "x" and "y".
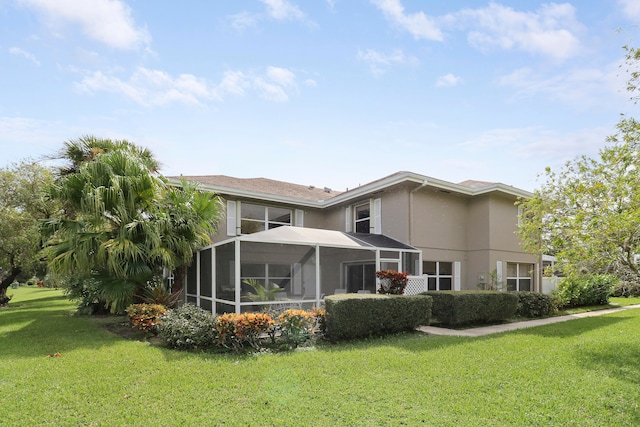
{"x": 206, "y": 304}
{"x": 249, "y": 211}
{"x": 446, "y": 268}
{"x": 390, "y": 254}
{"x": 279, "y": 270}
{"x": 279, "y": 215}
{"x": 410, "y": 263}
{"x": 432, "y": 283}
{"x": 273, "y": 225}
{"x": 252, "y": 270}
{"x": 362, "y": 226}
{"x": 525, "y": 285}
{"x": 362, "y": 212}
{"x": 389, "y": 265}
{"x": 222, "y": 308}
{"x": 526, "y": 270}
{"x": 429, "y": 267}
{"x": 249, "y": 227}
{"x": 192, "y": 300}
{"x": 206, "y": 278}
{"x": 445, "y": 284}
{"x": 512, "y": 284}
{"x": 225, "y": 272}
{"x": 512, "y": 269}
{"x": 370, "y": 278}
{"x": 192, "y": 276}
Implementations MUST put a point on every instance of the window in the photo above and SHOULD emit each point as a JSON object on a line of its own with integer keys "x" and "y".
{"x": 519, "y": 276}
{"x": 440, "y": 275}
{"x": 361, "y": 277}
{"x": 362, "y": 218}
{"x": 254, "y": 218}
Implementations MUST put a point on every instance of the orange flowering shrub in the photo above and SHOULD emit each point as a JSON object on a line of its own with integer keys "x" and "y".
{"x": 235, "y": 331}
{"x": 296, "y": 326}
{"x": 145, "y": 317}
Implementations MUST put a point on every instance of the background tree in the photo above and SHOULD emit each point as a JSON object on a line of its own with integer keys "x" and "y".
{"x": 123, "y": 223}
{"x": 588, "y": 213}
{"x": 23, "y": 204}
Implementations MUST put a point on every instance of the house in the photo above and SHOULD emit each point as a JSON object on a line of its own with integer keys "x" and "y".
{"x": 312, "y": 242}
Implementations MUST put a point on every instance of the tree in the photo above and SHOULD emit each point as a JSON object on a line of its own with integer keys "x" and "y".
{"x": 23, "y": 204}
{"x": 123, "y": 222}
{"x": 588, "y": 213}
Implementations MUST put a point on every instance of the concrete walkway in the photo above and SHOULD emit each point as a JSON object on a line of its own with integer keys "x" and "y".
{"x": 486, "y": 330}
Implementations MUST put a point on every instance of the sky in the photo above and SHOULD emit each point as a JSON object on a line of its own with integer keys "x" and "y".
{"x": 330, "y": 93}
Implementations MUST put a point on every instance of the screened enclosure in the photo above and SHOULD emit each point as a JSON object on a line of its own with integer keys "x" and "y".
{"x": 292, "y": 267}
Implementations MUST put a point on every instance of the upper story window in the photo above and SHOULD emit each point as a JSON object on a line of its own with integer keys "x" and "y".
{"x": 365, "y": 217}
{"x": 362, "y": 218}
{"x": 254, "y": 218}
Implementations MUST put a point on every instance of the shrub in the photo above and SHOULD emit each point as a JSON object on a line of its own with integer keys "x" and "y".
{"x": 534, "y": 304}
{"x": 88, "y": 293}
{"x": 581, "y": 290}
{"x": 296, "y": 326}
{"x": 392, "y": 282}
{"x": 145, "y": 317}
{"x": 188, "y": 327}
{"x": 354, "y": 316}
{"x": 236, "y": 331}
{"x": 626, "y": 289}
{"x": 457, "y": 308}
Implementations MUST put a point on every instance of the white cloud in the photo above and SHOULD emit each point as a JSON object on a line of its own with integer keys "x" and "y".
{"x": 448, "y": 80}
{"x": 242, "y": 20}
{"x": 581, "y": 88}
{"x": 283, "y": 10}
{"x": 23, "y": 53}
{"x": 380, "y": 62}
{"x": 631, "y": 9}
{"x": 151, "y": 87}
{"x": 420, "y": 26}
{"x": 550, "y": 31}
{"x": 107, "y": 21}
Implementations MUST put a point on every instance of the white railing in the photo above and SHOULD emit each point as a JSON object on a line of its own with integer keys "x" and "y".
{"x": 416, "y": 285}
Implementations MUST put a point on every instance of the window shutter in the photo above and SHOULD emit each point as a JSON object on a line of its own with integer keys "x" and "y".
{"x": 456, "y": 276}
{"x": 376, "y": 218}
{"x": 231, "y": 218}
{"x": 299, "y": 218}
{"x": 348, "y": 220}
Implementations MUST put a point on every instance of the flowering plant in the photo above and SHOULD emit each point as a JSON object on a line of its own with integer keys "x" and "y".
{"x": 236, "y": 330}
{"x": 145, "y": 317}
{"x": 391, "y": 282}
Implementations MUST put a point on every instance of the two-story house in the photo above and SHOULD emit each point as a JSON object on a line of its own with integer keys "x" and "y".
{"x": 313, "y": 242}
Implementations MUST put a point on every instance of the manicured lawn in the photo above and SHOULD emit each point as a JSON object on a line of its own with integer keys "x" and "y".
{"x": 582, "y": 372}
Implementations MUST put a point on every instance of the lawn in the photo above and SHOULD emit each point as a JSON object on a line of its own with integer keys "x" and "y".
{"x": 59, "y": 369}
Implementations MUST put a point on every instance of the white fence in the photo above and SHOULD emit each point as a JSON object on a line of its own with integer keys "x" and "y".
{"x": 415, "y": 285}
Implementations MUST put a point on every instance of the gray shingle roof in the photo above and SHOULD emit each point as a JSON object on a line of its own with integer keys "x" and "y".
{"x": 264, "y": 185}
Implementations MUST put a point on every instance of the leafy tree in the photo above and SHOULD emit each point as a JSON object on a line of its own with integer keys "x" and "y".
{"x": 588, "y": 213}
{"x": 123, "y": 222}
{"x": 23, "y": 203}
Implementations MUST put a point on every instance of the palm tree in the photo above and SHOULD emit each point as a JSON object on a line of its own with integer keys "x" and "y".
{"x": 123, "y": 222}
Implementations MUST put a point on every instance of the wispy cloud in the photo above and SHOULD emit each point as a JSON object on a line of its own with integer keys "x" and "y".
{"x": 631, "y": 9}
{"x": 24, "y": 54}
{"x": 448, "y": 80}
{"x": 243, "y": 20}
{"x": 153, "y": 87}
{"x": 283, "y": 10}
{"x": 419, "y": 25}
{"x": 380, "y": 62}
{"x": 550, "y": 31}
{"x": 106, "y": 21}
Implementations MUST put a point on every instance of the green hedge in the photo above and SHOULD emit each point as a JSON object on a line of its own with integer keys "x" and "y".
{"x": 534, "y": 304}
{"x": 455, "y": 308}
{"x": 352, "y": 316}
{"x": 582, "y": 290}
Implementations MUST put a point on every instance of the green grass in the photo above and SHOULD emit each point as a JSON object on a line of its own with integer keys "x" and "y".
{"x": 582, "y": 372}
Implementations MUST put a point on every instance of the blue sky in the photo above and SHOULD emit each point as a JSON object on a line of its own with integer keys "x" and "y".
{"x": 333, "y": 93}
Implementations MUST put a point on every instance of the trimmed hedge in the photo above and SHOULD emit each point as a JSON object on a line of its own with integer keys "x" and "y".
{"x": 535, "y": 304}
{"x": 456, "y": 308}
{"x": 352, "y": 316}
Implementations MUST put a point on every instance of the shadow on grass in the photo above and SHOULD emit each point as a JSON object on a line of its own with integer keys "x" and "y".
{"x": 573, "y": 327}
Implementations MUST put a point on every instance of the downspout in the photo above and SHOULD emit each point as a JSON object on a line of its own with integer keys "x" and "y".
{"x": 411, "y": 216}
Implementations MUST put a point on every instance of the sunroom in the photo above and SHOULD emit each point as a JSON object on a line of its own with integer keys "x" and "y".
{"x": 292, "y": 267}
